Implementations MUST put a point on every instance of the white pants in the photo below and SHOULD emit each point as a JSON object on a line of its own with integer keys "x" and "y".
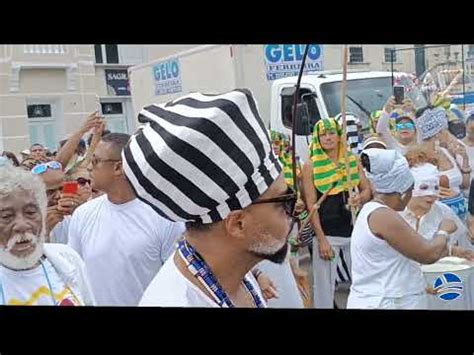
{"x": 325, "y": 271}
{"x": 360, "y": 301}
{"x": 285, "y": 283}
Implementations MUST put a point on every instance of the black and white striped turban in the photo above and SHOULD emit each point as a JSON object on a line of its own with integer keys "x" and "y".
{"x": 352, "y": 132}
{"x": 201, "y": 156}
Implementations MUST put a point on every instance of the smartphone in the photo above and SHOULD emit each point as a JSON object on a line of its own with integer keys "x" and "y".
{"x": 399, "y": 94}
{"x": 457, "y": 129}
{"x": 70, "y": 187}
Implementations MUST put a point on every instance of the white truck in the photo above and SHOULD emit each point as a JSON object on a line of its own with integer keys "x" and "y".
{"x": 220, "y": 68}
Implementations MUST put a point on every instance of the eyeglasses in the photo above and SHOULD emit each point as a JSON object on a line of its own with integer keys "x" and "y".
{"x": 288, "y": 200}
{"x": 42, "y": 168}
{"x": 83, "y": 181}
{"x": 95, "y": 160}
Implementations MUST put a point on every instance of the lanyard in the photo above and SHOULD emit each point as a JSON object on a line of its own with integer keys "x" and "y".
{"x": 198, "y": 267}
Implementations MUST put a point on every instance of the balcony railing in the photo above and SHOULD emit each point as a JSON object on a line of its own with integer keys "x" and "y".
{"x": 45, "y": 49}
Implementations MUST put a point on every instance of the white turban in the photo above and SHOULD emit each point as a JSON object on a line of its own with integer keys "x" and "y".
{"x": 389, "y": 171}
{"x": 431, "y": 122}
{"x": 426, "y": 180}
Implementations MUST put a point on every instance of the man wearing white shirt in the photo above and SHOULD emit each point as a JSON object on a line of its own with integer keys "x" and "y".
{"x": 122, "y": 240}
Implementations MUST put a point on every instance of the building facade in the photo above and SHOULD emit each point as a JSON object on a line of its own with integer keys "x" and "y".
{"x": 47, "y": 91}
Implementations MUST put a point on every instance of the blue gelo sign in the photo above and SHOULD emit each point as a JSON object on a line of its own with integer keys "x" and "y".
{"x": 167, "y": 76}
{"x": 282, "y": 60}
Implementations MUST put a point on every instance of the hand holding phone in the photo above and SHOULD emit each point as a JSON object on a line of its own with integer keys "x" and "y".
{"x": 399, "y": 94}
{"x": 70, "y": 187}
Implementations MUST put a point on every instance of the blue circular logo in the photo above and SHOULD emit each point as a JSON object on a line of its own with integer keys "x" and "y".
{"x": 448, "y": 286}
{"x": 314, "y": 52}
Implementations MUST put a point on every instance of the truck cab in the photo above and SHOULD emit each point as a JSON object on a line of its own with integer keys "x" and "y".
{"x": 321, "y": 92}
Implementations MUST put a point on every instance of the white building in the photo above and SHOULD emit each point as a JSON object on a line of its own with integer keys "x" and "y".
{"x": 47, "y": 91}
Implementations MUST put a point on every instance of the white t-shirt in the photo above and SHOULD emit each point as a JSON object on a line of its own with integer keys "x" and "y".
{"x": 454, "y": 174}
{"x": 31, "y": 287}
{"x": 171, "y": 289}
{"x": 377, "y": 268}
{"x": 123, "y": 247}
{"x": 59, "y": 234}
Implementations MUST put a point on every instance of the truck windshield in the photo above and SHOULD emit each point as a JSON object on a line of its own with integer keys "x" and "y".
{"x": 364, "y": 96}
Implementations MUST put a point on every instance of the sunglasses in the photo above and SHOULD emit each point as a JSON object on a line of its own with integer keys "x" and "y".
{"x": 42, "y": 168}
{"x": 288, "y": 200}
{"x": 83, "y": 181}
{"x": 407, "y": 126}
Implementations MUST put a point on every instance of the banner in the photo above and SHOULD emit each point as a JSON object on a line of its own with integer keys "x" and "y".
{"x": 167, "y": 77}
{"x": 282, "y": 60}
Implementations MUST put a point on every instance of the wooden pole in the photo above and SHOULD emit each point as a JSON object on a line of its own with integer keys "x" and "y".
{"x": 344, "y": 129}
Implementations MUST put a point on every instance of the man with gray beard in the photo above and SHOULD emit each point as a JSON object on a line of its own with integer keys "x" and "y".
{"x": 31, "y": 272}
{"x": 207, "y": 160}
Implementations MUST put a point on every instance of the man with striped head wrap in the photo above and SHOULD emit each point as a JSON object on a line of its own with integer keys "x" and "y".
{"x": 207, "y": 160}
{"x": 353, "y": 136}
{"x": 325, "y": 176}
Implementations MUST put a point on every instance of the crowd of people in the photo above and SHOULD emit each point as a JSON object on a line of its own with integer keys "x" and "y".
{"x": 197, "y": 209}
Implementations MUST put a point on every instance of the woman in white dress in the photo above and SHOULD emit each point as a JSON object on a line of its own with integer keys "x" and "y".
{"x": 385, "y": 250}
{"x": 425, "y": 212}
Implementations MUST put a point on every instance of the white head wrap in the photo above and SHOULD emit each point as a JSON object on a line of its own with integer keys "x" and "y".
{"x": 426, "y": 180}
{"x": 389, "y": 171}
{"x": 431, "y": 122}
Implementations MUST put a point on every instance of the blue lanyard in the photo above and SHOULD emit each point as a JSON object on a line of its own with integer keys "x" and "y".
{"x": 49, "y": 284}
{"x": 198, "y": 267}
{"x": 47, "y": 279}
{"x": 3, "y": 294}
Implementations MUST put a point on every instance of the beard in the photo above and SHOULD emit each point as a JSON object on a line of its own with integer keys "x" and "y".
{"x": 15, "y": 262}
{"x": 268, "y": 248}
{"x": 277, "y": 257}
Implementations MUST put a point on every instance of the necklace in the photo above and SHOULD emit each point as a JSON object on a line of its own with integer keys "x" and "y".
{"x": 199, "y": 268}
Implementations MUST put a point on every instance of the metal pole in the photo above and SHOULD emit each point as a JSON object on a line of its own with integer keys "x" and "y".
{"x": 463, "y": 80}
{"x": 392, "y": 52}
{"x": 350, "y": 190}
{"x": 296, "y": 100}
